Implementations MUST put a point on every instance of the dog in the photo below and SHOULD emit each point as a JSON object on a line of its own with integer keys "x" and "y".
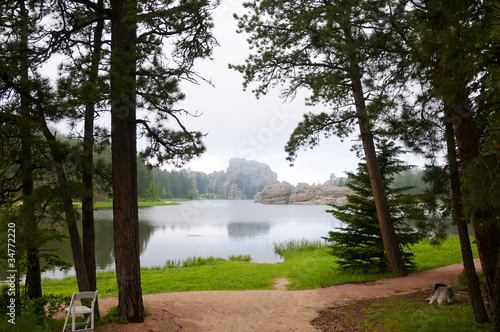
{"x": 442, "y": 293}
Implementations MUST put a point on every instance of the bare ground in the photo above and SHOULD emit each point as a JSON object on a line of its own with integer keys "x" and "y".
{"x": 267, "y": 310}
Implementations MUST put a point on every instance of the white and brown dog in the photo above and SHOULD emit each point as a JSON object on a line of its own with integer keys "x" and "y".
{"x": 442, "y": 293}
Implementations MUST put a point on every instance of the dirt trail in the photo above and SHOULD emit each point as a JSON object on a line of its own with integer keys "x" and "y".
{"x": 268, "y": 310}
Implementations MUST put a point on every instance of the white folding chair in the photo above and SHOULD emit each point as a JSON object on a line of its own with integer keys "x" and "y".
{"x": 74, "y": 310}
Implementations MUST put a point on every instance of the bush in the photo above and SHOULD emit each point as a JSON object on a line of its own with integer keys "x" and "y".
{"x": 32, "y": 315}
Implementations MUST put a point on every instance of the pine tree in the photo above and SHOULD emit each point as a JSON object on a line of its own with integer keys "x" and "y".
{"x": 359, "y": 244}
{"x": 343, "y": 52}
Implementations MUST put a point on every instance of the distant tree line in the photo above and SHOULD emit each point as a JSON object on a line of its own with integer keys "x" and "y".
{"x": 156, "y": 184}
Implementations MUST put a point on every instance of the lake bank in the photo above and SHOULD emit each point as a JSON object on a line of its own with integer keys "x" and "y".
{"x": 204, "y": 228}
{"x": 308, "y": 267}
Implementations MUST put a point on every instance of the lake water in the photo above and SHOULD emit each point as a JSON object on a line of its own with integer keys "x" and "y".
{"x": 218, "y": 228}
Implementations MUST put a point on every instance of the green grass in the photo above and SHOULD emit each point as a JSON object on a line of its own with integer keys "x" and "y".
{"x": 281, "y": 248}
{"x": 190, "y": 262}
{"x": 240, "y": 258}
{"x": 411, "y": 313}
{"x": 306, "y": 266}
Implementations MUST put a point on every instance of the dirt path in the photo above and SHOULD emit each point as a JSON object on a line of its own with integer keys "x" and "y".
{"x": 268, "y": 310}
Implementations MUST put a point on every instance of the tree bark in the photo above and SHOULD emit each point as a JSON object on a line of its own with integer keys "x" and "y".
{"x": 124, "y": 160}
{"x": 486, "y": 229}
{"x": 88, "y": 164}
{"x": 459, "y": 218}
{"x": 495, "y": 310}
{"x": 33, "y": 274}
{"x": 392, "y": 251}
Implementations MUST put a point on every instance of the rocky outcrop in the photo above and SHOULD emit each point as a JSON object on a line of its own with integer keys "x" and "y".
{"x": 322, "y": 195}
{"x": 303, "y": 194}
{"x": 242, "y": 180}
{"x": 276, "y": 194}
{"x": 247, "y": 179}
{"x": 234, "y": 192}
{"x": 250, "y": 176}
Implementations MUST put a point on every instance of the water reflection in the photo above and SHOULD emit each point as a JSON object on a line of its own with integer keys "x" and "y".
{"x": 104, "y": 244}
{"x": 239, "y": 229}
{"x": 211, "y": 228}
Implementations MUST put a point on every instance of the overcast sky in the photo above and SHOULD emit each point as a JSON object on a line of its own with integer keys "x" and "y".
{"x": 239, "y": 125}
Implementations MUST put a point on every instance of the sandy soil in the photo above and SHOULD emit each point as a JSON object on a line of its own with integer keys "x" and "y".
{"x": 268, "y": 310}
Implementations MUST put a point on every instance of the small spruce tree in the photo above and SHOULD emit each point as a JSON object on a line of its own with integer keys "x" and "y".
{"x": 358, "y": 245}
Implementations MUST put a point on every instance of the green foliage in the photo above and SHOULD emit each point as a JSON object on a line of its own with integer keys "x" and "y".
{"x": 359, "y": 244}
{"x": 483, "y": 190}
{"x": 324, "y": 47}
{"x": 50, "y": 304}
{"x": 154, "y": 184}
{"x": 113, "y": 317}
{"x": 47, "y": 220}
{"x": 33, "y": 315}
{"x": 450, "y": 44}
{"x": 141, "y": 203}
{"x": 307, "y": 133}
{"x": 29, "y": 323}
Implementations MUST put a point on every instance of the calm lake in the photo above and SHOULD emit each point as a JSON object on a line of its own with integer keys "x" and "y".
{"x": 218, "y": 228}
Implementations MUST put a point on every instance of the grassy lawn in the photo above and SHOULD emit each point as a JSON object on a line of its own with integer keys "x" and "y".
{"x": 408, "y": 313}
{"x": 306, "y": 266}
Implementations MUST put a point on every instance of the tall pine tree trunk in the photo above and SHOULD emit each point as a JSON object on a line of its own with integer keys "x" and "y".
{"x": 459, "y": 218}
{"x": 392, "y": 251}
{"x": 486, "y": 229}
{"x": 495, "y": 311}
{"x": 124, "y": 161}
{"x": 33, "y": 274}
{"x": 88, "y": 164}
{"x": 388, "y": 234}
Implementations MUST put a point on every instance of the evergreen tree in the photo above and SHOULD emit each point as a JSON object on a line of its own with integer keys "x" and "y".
{"x": 359, "y": 244}
{"x": 27, "y": 105}
{"x": 344, "y": 52}
{"x": 453, "y": 58}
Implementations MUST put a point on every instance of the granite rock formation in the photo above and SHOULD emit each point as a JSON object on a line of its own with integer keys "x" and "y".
{"x": 242, "y": 180}
{"x": 303, "y": 194}
{"x": 275, "y": 194}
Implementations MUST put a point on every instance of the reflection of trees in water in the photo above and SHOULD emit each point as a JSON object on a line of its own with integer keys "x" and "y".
{"x": 104, "y": 242}
{"x": 240, "y": 229}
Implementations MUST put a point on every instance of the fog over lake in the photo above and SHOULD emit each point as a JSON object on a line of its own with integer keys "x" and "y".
{"x": 218, "y": 228}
